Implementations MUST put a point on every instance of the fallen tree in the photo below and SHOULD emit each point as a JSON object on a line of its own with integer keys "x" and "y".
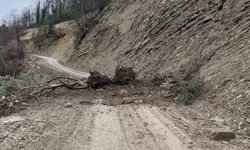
{"x": 47, "y": 87}
{"x": 123, "y": 76}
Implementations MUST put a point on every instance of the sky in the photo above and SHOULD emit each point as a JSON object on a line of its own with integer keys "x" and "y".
{"x": 7, "y": 5}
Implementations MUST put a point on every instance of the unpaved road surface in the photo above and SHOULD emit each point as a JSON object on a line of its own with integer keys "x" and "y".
{"x": 94, "y": 127}
{"x": 52, "y": 63}
{"x": 90, "y": 126}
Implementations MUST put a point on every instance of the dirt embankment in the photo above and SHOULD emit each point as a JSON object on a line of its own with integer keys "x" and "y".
{"x": 195, "y": 38}
{"x": 59, "y": 45}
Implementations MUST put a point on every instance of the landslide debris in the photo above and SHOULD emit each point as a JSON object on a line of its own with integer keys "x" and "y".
{"x": 123, "y": 76}
{"x": 97, "y": 80}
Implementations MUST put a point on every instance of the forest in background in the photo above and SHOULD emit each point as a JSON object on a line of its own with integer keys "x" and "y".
{"x": 44, "y": 13}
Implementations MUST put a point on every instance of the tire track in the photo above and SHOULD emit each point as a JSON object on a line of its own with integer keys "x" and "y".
{"x": 165, "y": 136}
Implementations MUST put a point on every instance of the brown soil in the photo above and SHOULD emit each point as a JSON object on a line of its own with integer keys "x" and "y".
{"x": 191, "y": 39}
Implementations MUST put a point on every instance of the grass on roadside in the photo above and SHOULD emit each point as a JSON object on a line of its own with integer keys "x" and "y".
{"x": 13, "y": 85}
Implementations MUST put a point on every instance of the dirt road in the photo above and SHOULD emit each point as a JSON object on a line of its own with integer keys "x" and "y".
{"x": 52, "y": 126}
{"x": 94, "y": 127}
{"x": 90, "y": 125}
{"x": 52, "y": 63}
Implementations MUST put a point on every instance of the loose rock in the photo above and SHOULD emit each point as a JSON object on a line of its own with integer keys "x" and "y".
{"x": 248, "y": 120}
{"x": 17, "y": 101}
{"x": 85, "y": 102}
{"x": 247, "y": 130}
{"x": 68, "y": 105}
{"x": 123, "y": 92}
{"x": 223, "y": 135}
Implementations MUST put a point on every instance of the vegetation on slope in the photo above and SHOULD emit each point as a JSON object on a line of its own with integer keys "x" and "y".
{"x": 11, "y": 53}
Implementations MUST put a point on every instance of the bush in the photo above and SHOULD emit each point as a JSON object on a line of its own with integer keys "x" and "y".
{"x": 11, "y": 59}
{"x": 188, "y": 92}
{"x": 11, "y": 85}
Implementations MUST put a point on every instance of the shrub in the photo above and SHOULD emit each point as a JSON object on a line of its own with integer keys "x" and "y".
{"x": 188, "y": 91}
{"x": 11, "y": 59}
{"x": 11, "y": 85}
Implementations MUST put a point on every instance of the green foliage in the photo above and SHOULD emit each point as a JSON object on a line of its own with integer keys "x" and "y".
{"x": 188, "y": 91}
{"x": 105, "y": 3}
{"x": 38, "y": 13}
{"x": 57, "y": 11}
{"x": 11, "y": 85}
{"x": 44, "y": 12}
{"x": 11, "y": 58}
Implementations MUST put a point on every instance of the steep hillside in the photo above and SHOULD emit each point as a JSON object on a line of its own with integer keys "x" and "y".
{"x": 194, "y": 38}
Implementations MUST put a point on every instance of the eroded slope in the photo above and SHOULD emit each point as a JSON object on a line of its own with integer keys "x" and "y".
{"x": 190, "y": 38}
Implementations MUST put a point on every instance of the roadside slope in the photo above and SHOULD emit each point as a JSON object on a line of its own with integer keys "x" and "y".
{"x": 192, "y": 39}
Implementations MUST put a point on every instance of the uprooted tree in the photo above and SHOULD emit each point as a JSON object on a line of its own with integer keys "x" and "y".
{"x": 123, "y": 76}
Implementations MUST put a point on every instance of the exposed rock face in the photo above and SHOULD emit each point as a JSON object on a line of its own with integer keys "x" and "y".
{"x": 191, "y": 38}
{"x": 221, "y": 4}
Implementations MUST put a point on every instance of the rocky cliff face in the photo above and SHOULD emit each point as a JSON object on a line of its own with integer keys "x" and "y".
{"x": 194, "y": 38}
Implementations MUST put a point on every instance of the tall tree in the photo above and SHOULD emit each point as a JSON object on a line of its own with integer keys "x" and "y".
{"x": 38, "y": 12}
{"x": 44, "y": 14}
{"x": 26, "y": 18}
